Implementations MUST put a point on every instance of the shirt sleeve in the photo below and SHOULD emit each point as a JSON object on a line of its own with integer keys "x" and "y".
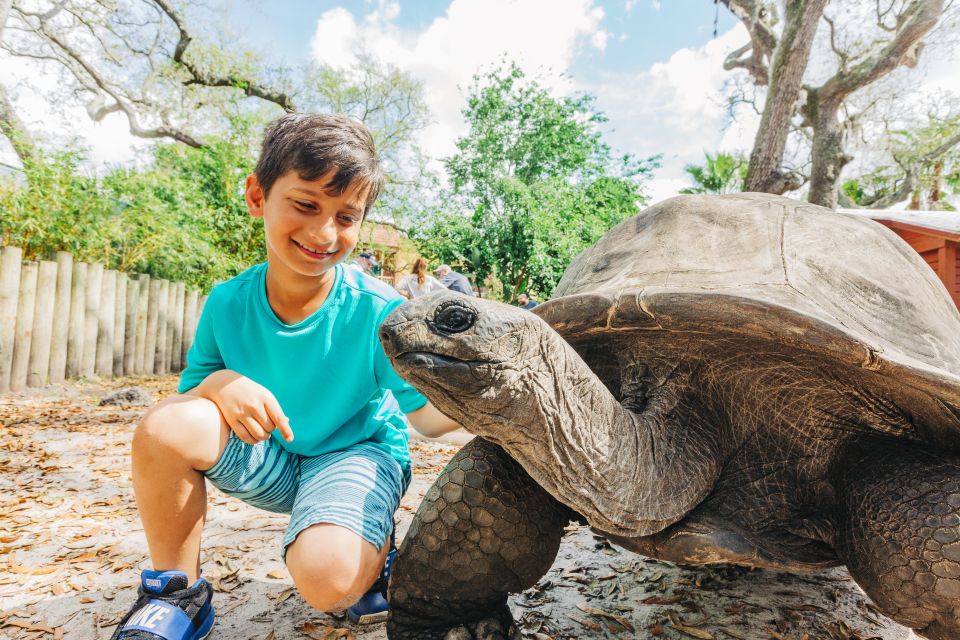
{"x": 404, "y": 287}
{"x": 407, "y": 397}
{"x": 204, "y": 356}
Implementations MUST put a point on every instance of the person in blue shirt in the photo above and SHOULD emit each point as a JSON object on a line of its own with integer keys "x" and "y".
{"x": 287, "y": 401}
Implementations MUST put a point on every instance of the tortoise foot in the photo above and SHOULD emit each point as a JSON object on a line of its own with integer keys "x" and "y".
{"x": 900, "y": 535}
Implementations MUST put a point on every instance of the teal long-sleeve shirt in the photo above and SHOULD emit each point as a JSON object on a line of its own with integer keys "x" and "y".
{"x": 328, "y": 372}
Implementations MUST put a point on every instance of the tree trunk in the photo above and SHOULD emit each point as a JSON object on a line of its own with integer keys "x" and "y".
{"x": 827, "y": 155}
{"x": 935, "y": 192}
{"x": 5, "y": 6}
{"x": 790, "y": 61}
{"x": 10, "y": 125}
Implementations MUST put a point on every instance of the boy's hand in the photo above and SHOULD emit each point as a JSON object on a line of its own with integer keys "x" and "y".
{"x": 249, "y": 408}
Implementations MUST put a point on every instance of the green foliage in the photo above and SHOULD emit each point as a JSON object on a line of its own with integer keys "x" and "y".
{"x": 930, "y": 152}
{"x": 391, "y": 104}
{"x": 182, "y": 218}
{"x": 531, "y": 185}
{"x": 721, "y": 173}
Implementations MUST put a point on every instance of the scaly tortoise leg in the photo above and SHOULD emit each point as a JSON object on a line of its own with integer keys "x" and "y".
{"x": 484, "y": 529}
{"x": 899, "y": 534}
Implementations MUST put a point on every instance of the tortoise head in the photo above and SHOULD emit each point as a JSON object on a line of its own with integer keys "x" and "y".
{"x": 474, "y": 358}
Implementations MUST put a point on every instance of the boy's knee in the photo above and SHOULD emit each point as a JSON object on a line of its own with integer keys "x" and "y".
{"x": 181, "y": 424}
{"x": 330, "y": 584}
{"x": 336, "y": 577}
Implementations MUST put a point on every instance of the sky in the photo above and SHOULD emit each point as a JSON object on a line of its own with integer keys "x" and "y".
{"x": 654, "y": 66}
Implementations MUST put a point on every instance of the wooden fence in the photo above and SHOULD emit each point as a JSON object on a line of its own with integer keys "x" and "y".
{"x": 69, "y": 319}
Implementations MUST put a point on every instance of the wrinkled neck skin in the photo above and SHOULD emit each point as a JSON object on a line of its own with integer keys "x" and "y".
{"x": 552, "y": 414}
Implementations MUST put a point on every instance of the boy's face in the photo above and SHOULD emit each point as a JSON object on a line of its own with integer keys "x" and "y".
{"x": 308, "y": 228}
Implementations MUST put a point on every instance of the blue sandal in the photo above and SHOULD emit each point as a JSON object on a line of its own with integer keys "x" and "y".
{"x": 167, "y": 609}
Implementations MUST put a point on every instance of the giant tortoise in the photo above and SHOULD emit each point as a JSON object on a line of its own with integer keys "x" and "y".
{"x": 738, "y": 379}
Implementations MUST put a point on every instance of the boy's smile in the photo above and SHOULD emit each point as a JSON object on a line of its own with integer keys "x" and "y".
{"x": 309, "y": 228}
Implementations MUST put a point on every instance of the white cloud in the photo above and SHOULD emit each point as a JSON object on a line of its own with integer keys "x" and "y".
{"x": 675, "y": 108}
{"x": 333, "y": 41}
{"x": 473, "y": 35}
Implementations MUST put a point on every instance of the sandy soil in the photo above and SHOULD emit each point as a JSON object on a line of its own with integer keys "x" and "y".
{"x": 71, "y": 548}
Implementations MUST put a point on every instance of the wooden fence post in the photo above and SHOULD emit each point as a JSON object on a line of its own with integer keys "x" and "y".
{"x": 189, "y": 324}
{"x": 77, "y": 330}
{"x": 105, "y": 316}
{"x": 130, "y": 327}
{"x": 91, "y": 320}
{"x": 119, "y": 323}
{"x": 153, "y": 321}
{"x": 143, "y": 287}
{"x": 38, "y": 369}
{"x": 24, "y": 330}
{"x": 168, "y": 340}
{"x": 10, "y": 266}
{"x": 61, "y": 317}
{"x": 160, "y": 363}
{"x": 176, "y": 353}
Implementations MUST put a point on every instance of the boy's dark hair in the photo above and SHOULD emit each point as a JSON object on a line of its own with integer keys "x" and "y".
{"x": 313, "y": 144}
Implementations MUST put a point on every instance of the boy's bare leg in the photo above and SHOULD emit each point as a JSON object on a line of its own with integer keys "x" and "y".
{"x": 174, "y": 441}
{"x": 333, "y": 566}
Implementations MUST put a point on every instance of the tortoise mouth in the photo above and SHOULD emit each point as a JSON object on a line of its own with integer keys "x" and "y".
{"x": 446, "y": 372}
{"x": 428, "y": 359}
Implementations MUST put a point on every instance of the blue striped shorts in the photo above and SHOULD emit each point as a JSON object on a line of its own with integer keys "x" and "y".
{"x": 358, "y": 488}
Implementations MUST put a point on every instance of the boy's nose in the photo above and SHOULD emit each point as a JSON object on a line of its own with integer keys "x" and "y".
{"x": 324, "y": 230}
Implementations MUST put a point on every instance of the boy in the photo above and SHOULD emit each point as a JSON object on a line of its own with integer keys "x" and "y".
{"x": 287, "y": 401}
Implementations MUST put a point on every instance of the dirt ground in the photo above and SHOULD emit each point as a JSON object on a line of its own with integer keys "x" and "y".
{"x": 71, "y": 548}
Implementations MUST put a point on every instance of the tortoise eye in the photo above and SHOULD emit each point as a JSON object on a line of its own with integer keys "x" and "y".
{"x": 454, "y": 318}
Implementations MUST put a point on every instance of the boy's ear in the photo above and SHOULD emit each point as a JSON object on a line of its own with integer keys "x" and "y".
{"x": 253, "y": 194}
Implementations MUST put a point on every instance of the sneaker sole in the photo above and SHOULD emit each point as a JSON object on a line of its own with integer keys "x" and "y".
{"x": 369, "y": 618}
{"x": 205, "y": 628}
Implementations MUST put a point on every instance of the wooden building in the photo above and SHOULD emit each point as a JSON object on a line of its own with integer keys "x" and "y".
{"x": 394, "y": 251}
{"x": 935, "y": 235}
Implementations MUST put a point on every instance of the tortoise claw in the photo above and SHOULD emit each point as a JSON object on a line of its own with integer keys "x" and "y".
{"x": 486, "y": 629}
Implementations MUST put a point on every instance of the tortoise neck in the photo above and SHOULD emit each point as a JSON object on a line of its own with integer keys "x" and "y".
{"x": 577, "y": 438}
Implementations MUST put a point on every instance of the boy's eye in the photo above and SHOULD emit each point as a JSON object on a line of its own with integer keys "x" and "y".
{"x": 304, "y": 205}
{"x": 348, "y": 219}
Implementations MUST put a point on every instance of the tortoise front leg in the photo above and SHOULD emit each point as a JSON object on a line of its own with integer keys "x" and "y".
{"x": 484, "y": 529}
{"x": 899, "y": 534}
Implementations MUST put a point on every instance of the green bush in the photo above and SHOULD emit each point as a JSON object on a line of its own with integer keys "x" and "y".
{"x": 181, "y": 218}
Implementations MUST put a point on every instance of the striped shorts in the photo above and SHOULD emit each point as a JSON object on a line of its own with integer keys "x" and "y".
{"x": 358, "y": 488}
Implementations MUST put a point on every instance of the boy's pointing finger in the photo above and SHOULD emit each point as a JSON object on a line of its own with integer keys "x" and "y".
{"x": 279, "y": 419}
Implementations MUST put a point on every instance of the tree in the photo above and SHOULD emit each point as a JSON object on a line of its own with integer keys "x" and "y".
{"x": 134, "y": 57}
{"x": 721, "y": 173}
{"x": 181, "y": 217}
{"x": 141, "y": 58}
{"x": 823, "y": 108}
{"x": 531, "y": 185}
{"x": 926, "y": 160}
{"x": 391, "y": 104}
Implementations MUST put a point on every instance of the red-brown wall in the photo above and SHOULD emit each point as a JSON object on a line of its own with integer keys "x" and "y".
{"x": 940, "y": 250}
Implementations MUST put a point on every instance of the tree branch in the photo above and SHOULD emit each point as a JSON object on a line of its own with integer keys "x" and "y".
{"x": 162, "y": 131}
{"x": 759, "y": 20}
{"x": 919, "y": 17}
{"x": 207, "y": 79}
{"x": 14, "y": 130}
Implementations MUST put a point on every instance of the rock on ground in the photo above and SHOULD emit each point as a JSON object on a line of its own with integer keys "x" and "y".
{"x": 71, "y": 548}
